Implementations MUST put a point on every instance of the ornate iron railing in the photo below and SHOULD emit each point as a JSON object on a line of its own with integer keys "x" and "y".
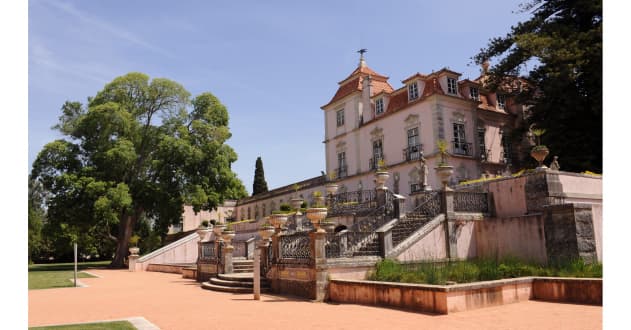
{"x": 429, "y": 203}
{"x": 471, "y": 202}
{"x": 267, "y": 265}
{"x": 412, "y": 152}
{"x": 295, "y": 248}
{"x": 208, "y": 251}
{"x": 349, "y": 243}
{"x": 462, "y": 148}
{"x": 352, "y": 202}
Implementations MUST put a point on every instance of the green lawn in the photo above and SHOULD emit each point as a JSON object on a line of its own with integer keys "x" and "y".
{"x": 116, "y": 325}
{"x": 47, "y": 276}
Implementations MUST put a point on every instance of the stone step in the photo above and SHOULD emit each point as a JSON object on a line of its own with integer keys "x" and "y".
{"x": 214, "y": 287}
{"x": 240, "y": 277}
{"x": 218, "y": 281}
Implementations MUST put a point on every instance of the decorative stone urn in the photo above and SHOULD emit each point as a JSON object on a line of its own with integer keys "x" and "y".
{"x": 540, "y": 153}
{"x": 134, "y": 250}
{"x": 202, "y": 231}
{"x": 316, "y": 215}
{"x": 331, "y": 188}
{"x": 278, "y": 220}
{"x": 266, "y": 232}
{"x": 444, "y": 172}
{"x": 218, "y": 229}
{"x": 380, "y": 178}
{"x": 227, "y": 236}
{"x": 295, "y": 204}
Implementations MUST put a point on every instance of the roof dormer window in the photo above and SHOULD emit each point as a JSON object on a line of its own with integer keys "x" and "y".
{"x": 452, "y": 86}
{"x": 379, "y": 106}
{"x": 413, "y": 91}
{"x": 474, "y": 93}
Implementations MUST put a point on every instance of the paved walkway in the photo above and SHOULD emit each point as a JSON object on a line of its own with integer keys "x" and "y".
{"x": 171, "y": 303}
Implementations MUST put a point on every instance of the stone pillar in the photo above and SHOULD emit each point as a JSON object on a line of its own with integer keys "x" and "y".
{"x": 569, "y": 233}
{"x": 385, "y": 242}
{"x": 317, "y": 241}
{"x": 275, "y": 246}
{"x": 199, "y": 261}
{"x": 447, "y": 208}
{"x": 257, "y": 272}
{"x": 132, "y": 259}
{"x": 227, "y": 259}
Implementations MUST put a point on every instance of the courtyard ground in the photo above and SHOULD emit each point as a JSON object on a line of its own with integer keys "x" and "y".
{"x": 171, "y": 302}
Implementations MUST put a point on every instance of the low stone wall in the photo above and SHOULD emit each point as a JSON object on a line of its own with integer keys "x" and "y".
{"x": 572, "y": 290}
{"x": 295, "y": 280}
{"x": 441, "y": 299}
{"x": 166, "y": 268}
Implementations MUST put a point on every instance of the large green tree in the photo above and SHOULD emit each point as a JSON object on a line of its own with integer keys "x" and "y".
{"x": 562, "y": 45}
{"x": 140, "y": 147}
{"x": 259, "y": 185}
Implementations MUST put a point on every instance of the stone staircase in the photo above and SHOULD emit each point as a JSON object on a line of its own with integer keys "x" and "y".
{"x": 234, "y": 283}
{"x": 369, "y": 248}
{"x": 242, "y": 265}
{"x": 407, "y": 226}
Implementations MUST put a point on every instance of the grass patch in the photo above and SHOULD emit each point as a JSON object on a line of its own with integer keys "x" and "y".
{"x": 477, "y": 270}
{"x": 48, "y": 276}
{"x": 115, "y": 325}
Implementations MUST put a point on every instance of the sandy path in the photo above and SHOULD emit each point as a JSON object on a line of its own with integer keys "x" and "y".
{"x": 171, "y": 302}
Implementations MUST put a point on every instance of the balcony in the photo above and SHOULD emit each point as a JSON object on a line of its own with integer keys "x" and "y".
{"x": 412, "y": 152}
{"x": 462, "y": 148}
{"x": 341, "y": 172}
{"x": 373, "y": 163}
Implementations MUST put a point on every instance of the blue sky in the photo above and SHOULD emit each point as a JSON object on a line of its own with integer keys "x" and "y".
{"x": 273, "y": 63}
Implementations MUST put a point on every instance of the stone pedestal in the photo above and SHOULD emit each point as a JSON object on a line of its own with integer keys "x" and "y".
{"x": 318, "y": 253}
{"x": 447, "y": 206}
{"x": 257, "y": 274}
{"x": 227, "y": 259}
{"x": 133, "y": 259}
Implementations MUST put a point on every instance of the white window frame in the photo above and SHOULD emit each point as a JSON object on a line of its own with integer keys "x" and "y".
{"x": 379, "y": 106}
{"x": 452, "y": 86}
{"x": 339, "y": 116}
{"x": 413, "y": 91}
{"x": 474, "y": 93}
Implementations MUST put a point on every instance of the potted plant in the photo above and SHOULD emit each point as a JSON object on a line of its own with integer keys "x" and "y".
{"x": 203, "y": 229}
{"x": 539, "y": 152}
{"x": 133, "y": 241}
{"x": 296, "y": 201}
{"x": 266, "y": 231}
{"x": 316, "y": 213}
{"x": 318, "y": 198}
{"x": 443, "y": 170}
{"x": 279, "y": 218}
{"x": 228, "y": 234}
{"x": 381, "y": 175}
{"x": 331, "y": 187}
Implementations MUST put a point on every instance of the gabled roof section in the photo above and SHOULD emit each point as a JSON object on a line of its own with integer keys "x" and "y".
{"x": 432, "y": 86}
{"x": 353, "y": 83}
{"x": 414, "y": 76}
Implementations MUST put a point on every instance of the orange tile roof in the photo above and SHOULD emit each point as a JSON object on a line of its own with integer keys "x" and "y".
{"x": 353, "y": 83}
{"x": 416, "y": 75}
{"x": 432, "y": 87}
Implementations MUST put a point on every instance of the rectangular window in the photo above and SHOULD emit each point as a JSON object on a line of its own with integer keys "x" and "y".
{"x": 377, "y": 154}
{"x": 506, "y": 145}
{"x": 452, "y": 87}
{"x": 482, "y": 144}
{"x": 412, "y": 152}
{"x": 412, "y": 91}
{"x": 501, "y": 101}
{"x": 474, "y": 93}
{"x": 461, "y": 147}
{"x": 341, "y": 165}
{"x": 340, "y": 118}
{"x": 379, "y": 106}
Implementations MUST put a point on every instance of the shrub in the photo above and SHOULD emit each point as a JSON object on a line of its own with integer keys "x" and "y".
{"x": 285, "y": 207}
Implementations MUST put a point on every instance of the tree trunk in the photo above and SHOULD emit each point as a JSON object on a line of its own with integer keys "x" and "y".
{"x": 125, "y": 228}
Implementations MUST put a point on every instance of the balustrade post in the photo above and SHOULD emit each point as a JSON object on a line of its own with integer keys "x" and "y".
{"x": 447, "y": 208}
{"x": 317, "y": 242}
{"x": 385, "y": 242}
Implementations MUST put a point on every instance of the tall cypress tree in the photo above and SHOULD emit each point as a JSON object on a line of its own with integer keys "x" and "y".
{"x": 260, "y": 185}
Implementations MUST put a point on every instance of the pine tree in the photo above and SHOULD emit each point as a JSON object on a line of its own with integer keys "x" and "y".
{"x": 563, "y": 39}
{"x": 260, "y": 185}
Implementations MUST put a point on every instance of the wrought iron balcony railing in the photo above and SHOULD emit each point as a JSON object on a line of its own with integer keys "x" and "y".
{"x": 412, "y": 152}
{"x": 462, "y": 148}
